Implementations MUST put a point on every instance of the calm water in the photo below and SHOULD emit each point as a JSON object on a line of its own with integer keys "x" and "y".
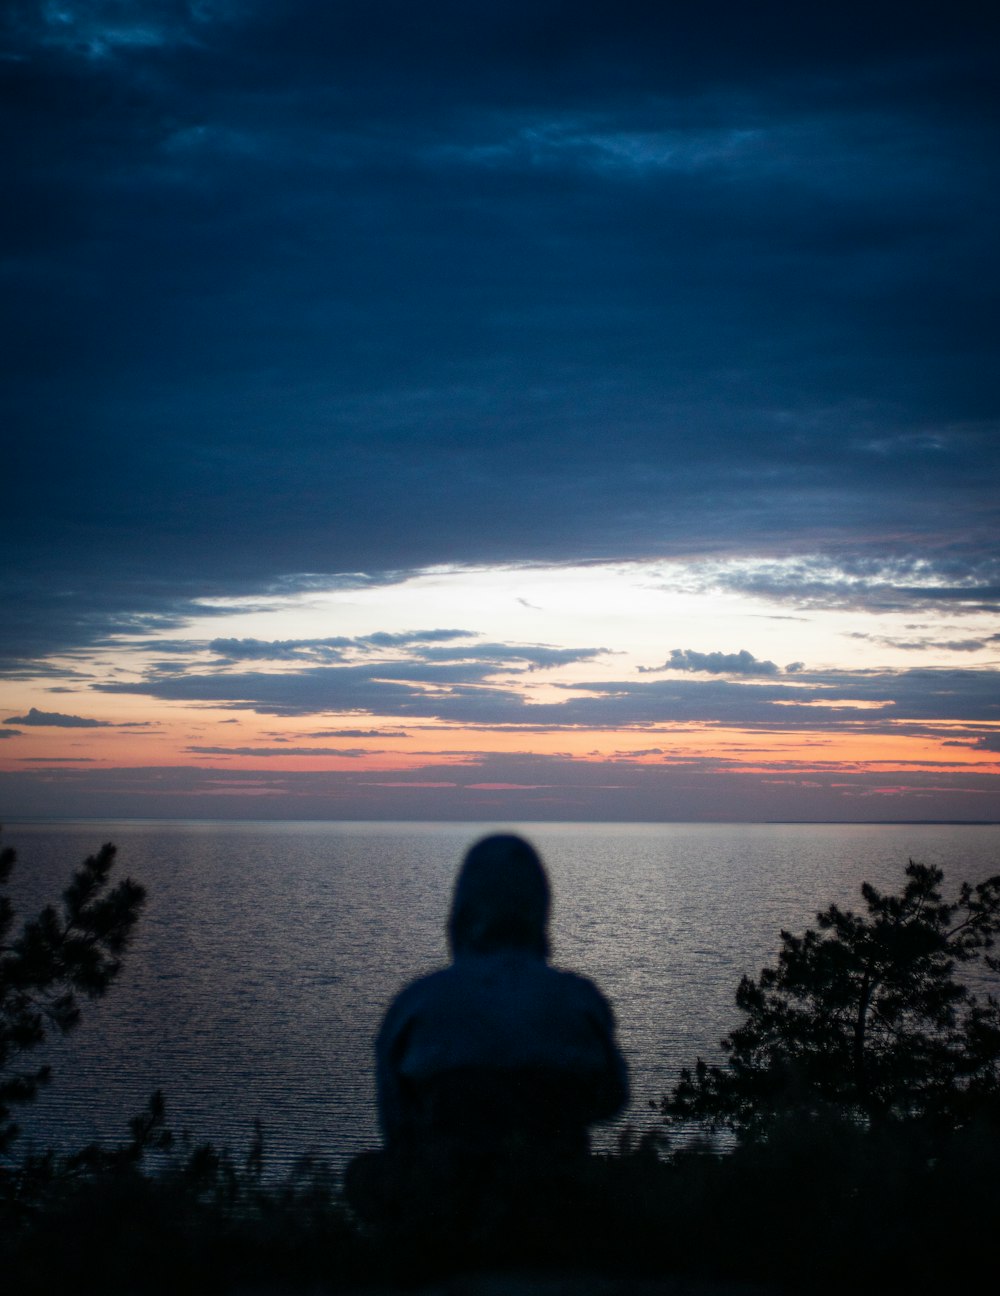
{"x": 268, "y": 952}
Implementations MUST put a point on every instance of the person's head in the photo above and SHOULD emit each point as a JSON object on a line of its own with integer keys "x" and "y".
{"x": 501, "y": 899}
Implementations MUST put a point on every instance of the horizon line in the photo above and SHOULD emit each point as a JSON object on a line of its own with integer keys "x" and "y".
{"x": 120, "y": 818}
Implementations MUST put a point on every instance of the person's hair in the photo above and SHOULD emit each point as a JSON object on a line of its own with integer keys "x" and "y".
{"x": 501, "y": 899}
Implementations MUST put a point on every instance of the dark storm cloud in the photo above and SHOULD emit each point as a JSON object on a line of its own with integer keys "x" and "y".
{"x": 361, "y": 287}
{"x": 57, "y": 720}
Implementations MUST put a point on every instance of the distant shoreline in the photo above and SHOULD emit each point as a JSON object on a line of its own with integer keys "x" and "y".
{"x": 753, "y": 823}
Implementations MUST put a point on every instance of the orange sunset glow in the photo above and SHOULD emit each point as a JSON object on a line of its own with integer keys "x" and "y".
{"x": 516, "y": 703}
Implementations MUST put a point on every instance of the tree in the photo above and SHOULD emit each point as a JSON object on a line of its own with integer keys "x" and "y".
{"x": 864, "y": 1016}
{"x": 56, "y": 958}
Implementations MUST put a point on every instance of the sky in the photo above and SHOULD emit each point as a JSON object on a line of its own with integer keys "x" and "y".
{"x": 500, "y": 411}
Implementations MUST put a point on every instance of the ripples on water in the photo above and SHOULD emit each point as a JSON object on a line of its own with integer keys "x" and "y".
{"x": 268, "y": 952}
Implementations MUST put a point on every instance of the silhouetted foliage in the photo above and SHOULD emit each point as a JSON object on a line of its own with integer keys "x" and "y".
{"x": 199, "y": 1219}
{"x": 864, "y": 1016}
{"x": 823, "y": 1205}
{"x": 56, "y": 958}
{"x": 842, "y": 1193}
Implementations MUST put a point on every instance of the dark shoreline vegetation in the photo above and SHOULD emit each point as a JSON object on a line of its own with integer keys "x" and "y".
{"x": 861, "y": 1093}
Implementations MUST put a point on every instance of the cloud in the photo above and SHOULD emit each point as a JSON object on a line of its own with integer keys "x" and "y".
{"x": 982, "y": 742}
{"x": 280, "y": 751}
{"x": 827, "y": 700}
{"x": 10, "y": 733}
{"x": 509, "y": 657}
{"x": 393, "y": 686}
{"x": 56, "y": 720}
{"x": 383, "y": 689}
{"x": 716, "y": 663}
{"x": 329, "y": 649}
{"x": 478, "y": 658}
{"x": 460, "y": 692}
{"x": 474, "y": 285}
{"x": 923, "y": 645}
{"x": 233, "y": 650}
{"x": 358, "y": 733}
{"x": 961, "y": 583}
{"x": 405, "y": 639}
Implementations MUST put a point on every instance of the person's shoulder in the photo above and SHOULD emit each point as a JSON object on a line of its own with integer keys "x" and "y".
{"x": 569, "y": 978}
{"x": 579, "y": 987}
{"x": 413, "y": 995}
{"x": 427, "y": 979}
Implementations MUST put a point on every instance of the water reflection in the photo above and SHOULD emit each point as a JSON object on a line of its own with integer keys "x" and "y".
{"x": 268, "y": 952}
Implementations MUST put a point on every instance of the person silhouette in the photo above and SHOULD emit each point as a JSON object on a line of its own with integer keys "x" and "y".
{"x": 491, "y": 1069}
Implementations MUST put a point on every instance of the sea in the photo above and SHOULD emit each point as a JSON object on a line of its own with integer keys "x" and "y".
{"x": 268, "y": 952}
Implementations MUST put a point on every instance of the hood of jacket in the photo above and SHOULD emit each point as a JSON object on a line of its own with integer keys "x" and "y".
{"x": 501, "y": 899}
